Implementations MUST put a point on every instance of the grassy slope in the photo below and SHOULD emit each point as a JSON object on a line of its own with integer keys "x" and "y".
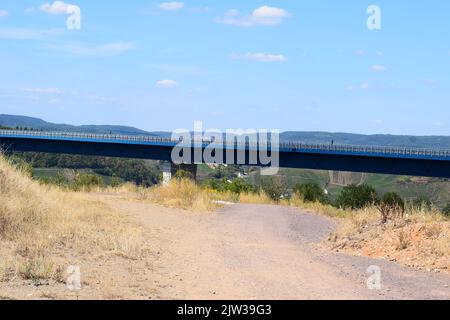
{"x": 43, "y": 230}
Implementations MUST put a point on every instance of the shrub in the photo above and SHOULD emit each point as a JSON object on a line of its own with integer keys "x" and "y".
{"x": 446, "y": 210}
{"x": 115, "y": 182}
{"x": 236, "y": 186}
{"x": 422, "y": 203}
{"x": 274, "y": 187}
{"x": 183, "y": 174}
{"x": 87, "y": 181}
{"x": 59, "y": 181}
{"x": 391, "y": 205}
{"x": 356, "y": 197}
{"x": 309, "y": 192}
{"x": 239, "y": 186}
{"x": 183, "y": 194}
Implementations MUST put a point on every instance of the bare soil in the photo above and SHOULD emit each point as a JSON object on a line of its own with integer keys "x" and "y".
{"x": 265, "y": 252}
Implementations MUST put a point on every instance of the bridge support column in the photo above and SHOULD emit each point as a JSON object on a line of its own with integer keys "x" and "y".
{"x": 171, "y": 170}
{"x": 167, "y": 173}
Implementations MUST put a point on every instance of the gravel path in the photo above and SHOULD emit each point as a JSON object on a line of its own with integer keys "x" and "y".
{"x": 265, "y": 252}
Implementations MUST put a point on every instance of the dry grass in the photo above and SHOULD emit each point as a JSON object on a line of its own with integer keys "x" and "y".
{"x": 184, "y": 194}
{"x": 42, "y": 228}
{"x": 421, "y": 239}
{"x": 317, "y": 207}
{"x": 256, "y": 198}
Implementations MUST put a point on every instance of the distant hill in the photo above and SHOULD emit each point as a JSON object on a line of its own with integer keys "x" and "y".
{"x": 39, "y": 124}
{"x": 442, "y": 142}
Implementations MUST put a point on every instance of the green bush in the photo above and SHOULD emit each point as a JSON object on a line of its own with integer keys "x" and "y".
{"x": 115, "y": 182}
{"x": 237, "y": 185}
{"x": 391, "y": 205}
{"x": 58, "y": 181}
{"x": 422, "y": 203}
{"x": 87, "y": 181}
{"x": 309, "y": 192}
{"x": 446, "y": 210}
{"x": 274, "y": 187}
{"x": 356, "y": 197}
{"x": 393, "y": 199}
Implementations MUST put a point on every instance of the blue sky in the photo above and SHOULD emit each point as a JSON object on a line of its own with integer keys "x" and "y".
{"x": 306, "y": 65}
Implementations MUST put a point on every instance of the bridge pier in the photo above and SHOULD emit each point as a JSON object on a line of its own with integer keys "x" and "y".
{"x": 171, "y": 170}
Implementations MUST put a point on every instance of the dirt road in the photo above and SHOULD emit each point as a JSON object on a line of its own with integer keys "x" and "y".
{"x": 264, "y": 252}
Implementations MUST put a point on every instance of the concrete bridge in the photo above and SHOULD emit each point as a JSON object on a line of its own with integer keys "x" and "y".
{"x": 370, "y": 159}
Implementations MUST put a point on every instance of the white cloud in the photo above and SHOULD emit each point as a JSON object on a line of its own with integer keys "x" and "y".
{"x": 57, "y": 7}
{"x": 41, "y": 90}
{"x": 85, "y": 50}
{"x": 3, "y": 13}
{"x": 266, "y": 12}
{"x": 263, "y": 57}
{"x": 378, "y": 68}
{"x": 264, "y": 15}
{"x": 166, "y": 84}
{"x": 171, "y": 6}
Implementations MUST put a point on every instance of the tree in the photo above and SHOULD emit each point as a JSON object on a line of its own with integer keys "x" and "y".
{"x": 357, "y": 197}
{"x": 391, "y": 205}
{"x": 274, "y": 187}
{"x": 309, "y": 192}
{"x": 138, "y": 171}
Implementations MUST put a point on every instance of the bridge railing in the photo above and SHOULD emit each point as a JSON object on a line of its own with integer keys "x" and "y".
{"x": 290, "y": 145}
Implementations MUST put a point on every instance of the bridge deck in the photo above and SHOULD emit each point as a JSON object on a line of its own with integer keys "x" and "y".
{"x": 285, "y": 146}
{"x": 374, "y": 159}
